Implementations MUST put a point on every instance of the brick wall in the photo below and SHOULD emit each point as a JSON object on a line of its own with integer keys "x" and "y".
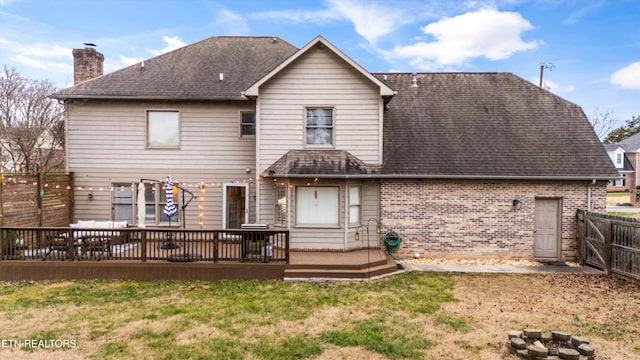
{"x": 477, "y": 218}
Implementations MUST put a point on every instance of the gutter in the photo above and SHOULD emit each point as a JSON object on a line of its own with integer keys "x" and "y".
{"x": 164, "y": 98}
{"x": 457, "y": 177}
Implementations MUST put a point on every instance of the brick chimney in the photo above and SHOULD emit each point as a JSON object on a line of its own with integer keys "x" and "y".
{"x": 87, "y": 64}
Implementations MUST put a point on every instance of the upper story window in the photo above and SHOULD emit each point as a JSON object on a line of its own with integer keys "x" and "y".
{"x": 247, "y": 123}
{"x": 618, "y": 159}
{"x": 319, "y": 126}
{"x": 163, "y": 129}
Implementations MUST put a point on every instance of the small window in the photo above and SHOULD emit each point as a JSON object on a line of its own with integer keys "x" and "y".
{"x": 319, "y": 125}
{"x": 163, "y": 129}
{"x": 619, "y": 159}
{"x": 355, "y": 205}
{"x": 122, "y": 202}
{"x": 317, "y": 206}
{"x": 281, "y": 206}
{"x": 248, "y": 123}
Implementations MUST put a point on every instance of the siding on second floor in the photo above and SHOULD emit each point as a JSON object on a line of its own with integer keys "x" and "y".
{"x": 112, "y": 134}
{"x": 319, "y": 79}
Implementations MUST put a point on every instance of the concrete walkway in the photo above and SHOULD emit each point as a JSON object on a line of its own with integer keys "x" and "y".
{"x": 541, "y": 269}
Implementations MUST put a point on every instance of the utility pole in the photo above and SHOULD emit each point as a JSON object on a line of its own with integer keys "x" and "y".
{"x": 543, "y": 66}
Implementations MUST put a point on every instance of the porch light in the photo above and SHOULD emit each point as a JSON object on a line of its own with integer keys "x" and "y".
{"x": 517, "y": 204}
{"x": 357, "y": 235}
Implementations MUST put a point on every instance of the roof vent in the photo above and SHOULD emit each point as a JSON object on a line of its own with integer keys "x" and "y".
{"x": 221, "y": 77}
{"x": 384, "y": 78}
{"x": 414, "y": 80}
{"x": 142, "y": 65}
{"x": 274, "y": 40}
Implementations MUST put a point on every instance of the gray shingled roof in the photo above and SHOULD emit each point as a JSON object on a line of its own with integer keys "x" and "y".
{"x": 487, "y": 125}
{"x": 192, "y": 72}
{"x": 630, "y": 144}
{"x": 318, "y": 162}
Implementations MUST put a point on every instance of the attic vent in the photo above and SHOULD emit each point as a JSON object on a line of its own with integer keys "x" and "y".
{"x": 414, "y": 80}
{"x": 221, "y": 77}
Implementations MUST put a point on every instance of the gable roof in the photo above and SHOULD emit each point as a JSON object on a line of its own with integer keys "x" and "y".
{"x": 191, "y": 72}
{"x": 319, "y": 41}
{"x": 630, "y": 144}
{"x": 487, "y": 125}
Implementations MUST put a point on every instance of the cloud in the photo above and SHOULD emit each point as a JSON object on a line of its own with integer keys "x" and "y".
{"x": 37, "y": 49}
{"x": 43, "y": 64}
{"x": 172, "y": 44}
{"x": 577, "y": 15}
{"x": 371, "y": 21}
{"x": 628, "y": 77}
{"x": 555, "y": 87}
{"x": 319, "y": 17}
{"x": 232, "y": 22}
{"x": 486, "y": 33}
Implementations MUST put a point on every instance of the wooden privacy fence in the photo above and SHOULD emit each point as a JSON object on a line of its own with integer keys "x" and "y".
{"x": 610, "y": 243}
{"x": 36, "y": 199}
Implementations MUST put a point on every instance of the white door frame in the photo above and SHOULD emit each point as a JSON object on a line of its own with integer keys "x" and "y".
{"x": 224, "y": 201}
{"x": 558, "y": 227}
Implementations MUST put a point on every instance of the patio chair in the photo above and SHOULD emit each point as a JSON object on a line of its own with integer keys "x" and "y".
{"x": 96, "y": 244}
{"x": 56, "y": 243}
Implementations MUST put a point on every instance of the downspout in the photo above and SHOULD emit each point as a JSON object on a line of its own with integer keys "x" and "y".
{"x": 258, "y": 155}
{"x": 593, "y": 182}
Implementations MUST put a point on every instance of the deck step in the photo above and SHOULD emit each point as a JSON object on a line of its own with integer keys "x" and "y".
{"x": 350, "y": 267}
{"x": 340, "y": 271}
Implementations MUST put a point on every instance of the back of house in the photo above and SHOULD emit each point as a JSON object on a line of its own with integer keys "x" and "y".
{"x": 305, "y": 139}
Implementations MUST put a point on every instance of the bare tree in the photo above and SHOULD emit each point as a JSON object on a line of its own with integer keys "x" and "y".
{"x": 602, "y": 122}
{"x": 630, "y": 128}
{"x": 31, "y": 124}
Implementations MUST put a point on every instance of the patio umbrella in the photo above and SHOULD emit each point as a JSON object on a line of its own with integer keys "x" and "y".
{"x": 142, "y": 213}
{"x": 169, "y": 210}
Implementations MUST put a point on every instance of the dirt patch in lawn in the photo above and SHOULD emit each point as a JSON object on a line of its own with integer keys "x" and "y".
{"x": 606, "y": 310}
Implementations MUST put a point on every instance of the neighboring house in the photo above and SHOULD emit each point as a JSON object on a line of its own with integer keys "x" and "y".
{"x": 45, "y": 153}
{"x": 624, "y": 156}
{"x": 463, "y": 164}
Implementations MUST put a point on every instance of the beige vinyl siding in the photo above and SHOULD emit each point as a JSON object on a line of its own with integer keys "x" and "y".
{"x": 106, "y": 144}
{"x": 334, "y": 238}
{"x": 319, "y": 79}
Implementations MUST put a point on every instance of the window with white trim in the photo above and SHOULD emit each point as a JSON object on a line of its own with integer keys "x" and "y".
{"x": 124, "y": 201}
{"x": 317, "y": 206}
{"x": 355, "y": 205}
{"x": 319, "y": 126}
{"x": 619, "y": 159}
{"x": 247, "y": 123}
{"x": 281, "y": 206}
{"x": 163, "y": 129}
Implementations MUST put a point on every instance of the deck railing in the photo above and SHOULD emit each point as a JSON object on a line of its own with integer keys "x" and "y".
{"x": 144, "y": 244}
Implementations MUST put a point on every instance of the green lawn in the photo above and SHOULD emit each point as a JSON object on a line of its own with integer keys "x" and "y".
{"x": 414, "y": 315}
{"x": 225, "y": 320}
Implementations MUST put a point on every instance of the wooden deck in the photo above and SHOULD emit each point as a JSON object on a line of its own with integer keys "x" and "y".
{"x": 145, "y": 254}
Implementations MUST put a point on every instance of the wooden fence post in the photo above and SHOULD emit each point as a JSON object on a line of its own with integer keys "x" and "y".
{"x": 606, "y": 251}
{"x": 580, "y": 234}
